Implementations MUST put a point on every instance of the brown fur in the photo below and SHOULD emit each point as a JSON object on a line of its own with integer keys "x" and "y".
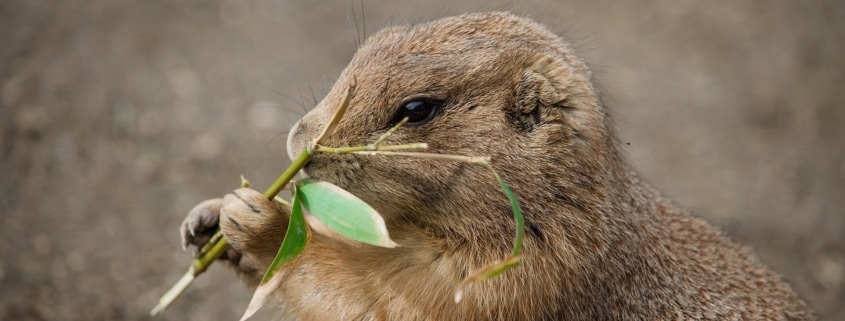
{"x": 601, "y": 244}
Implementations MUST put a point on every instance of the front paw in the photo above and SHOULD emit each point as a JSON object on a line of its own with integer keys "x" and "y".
{"x": 254, "y": 226}
{"x": 199, "y": 226}
{"x": 201, "y": 223}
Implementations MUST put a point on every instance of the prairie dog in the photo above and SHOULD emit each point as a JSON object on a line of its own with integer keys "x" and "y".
{"x": 600, "y": 243}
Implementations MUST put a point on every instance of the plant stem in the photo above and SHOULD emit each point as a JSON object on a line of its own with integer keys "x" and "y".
{"x": 432, "y": 156}
{"x": 219, "y": 244}
{"x": 208, "y": 255}
{"x": 353, "y": 149}
{"x": 288, "y": 174}
{"x": 384, "y": 136}
{"x": 338, "y": 114}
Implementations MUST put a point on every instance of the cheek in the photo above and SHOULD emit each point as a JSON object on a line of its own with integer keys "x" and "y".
{"x": 469, "y": 136}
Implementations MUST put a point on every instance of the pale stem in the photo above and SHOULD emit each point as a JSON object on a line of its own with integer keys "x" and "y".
{"x": 338, "y": 114}
{"x": 374, "y": 146}
{"x": 353, "y": 149}
{"x": 455, "y": 158}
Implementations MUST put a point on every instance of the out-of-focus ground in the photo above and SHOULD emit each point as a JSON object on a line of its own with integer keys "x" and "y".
{"x": 116, "y": 117}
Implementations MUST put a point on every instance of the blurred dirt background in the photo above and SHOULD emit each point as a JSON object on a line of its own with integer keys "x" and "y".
{"x": 117, "y": 117}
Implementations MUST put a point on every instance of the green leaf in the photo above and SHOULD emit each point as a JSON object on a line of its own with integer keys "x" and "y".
{"x": 343, "y": 212}
{"x": 500, "y": 267}
{"x": 296, "y": 238}
{"x": 517, "y": 215}
{"x": 488, "y": 272}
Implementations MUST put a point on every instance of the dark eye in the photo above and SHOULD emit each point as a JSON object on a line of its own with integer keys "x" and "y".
{"x": 418, "y": 111}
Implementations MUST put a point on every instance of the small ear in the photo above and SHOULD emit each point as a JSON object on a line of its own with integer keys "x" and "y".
{"x": 538, "y": 87}
{"x": 551, "y": 88}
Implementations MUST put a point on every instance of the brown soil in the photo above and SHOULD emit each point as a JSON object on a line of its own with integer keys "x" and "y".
{"x": 117, "y": 117}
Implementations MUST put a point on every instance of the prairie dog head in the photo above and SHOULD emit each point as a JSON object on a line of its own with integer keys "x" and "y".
{"x": 486, "y": 84}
